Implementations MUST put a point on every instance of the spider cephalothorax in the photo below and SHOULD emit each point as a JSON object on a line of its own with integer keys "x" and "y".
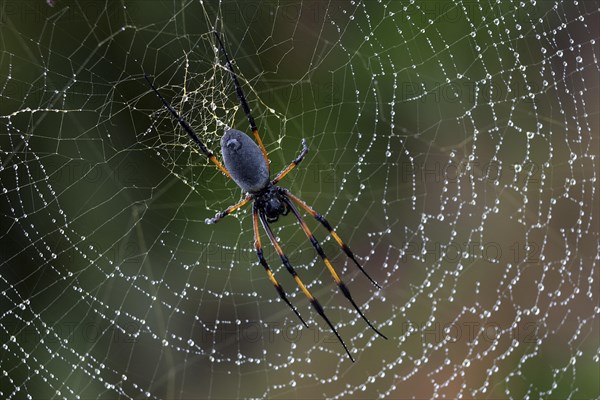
{"x": 272, "y": 201}
{"x": 247, "y": 163}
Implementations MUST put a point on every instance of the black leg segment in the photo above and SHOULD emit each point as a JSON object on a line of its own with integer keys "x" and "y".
{"x": 263, "y": 262}
{"x": 338, "y": 281}
{"x": 315, "y": 303}
{"x": 327, "y": 226}
{"x": 188, "y": 129}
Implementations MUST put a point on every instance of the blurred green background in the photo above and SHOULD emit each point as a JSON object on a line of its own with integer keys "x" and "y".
{"x": 453, "y": 146}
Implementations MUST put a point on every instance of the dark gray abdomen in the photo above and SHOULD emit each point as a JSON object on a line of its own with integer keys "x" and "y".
{"x": 244, "y": 160}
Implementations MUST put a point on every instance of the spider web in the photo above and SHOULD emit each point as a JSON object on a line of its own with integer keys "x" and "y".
{"x": 452, "y": 146}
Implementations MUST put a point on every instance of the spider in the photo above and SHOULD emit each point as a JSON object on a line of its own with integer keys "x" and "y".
{"x": 247, "y": 164}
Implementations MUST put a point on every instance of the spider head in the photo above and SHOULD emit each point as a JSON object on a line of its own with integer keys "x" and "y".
{"x": 272, "y": 203}
{"x": 274, "y": 207}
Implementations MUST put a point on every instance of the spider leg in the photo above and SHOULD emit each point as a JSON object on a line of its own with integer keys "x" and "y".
{"x": 315, "y": 303}
{"x": 294, "y": 163}
{"x": 319, "y": 249}
{"x": 228, "y": 211}
{"x": 327, "y": 226}
{"x": 188, "y": 129}
{"x": 243, "y": 102}
{"x": 261, "y": 258}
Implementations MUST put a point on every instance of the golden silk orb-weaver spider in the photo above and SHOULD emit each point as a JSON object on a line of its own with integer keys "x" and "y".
{"x": 247, "y": 164}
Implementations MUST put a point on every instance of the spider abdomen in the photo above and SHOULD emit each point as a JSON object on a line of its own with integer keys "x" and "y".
{"x": 245, "y": 161}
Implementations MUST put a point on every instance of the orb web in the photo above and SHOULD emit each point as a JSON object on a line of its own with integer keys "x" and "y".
{"x": 452, "y": 146}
